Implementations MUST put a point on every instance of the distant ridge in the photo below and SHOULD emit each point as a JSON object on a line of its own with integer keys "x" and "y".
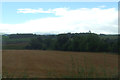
{"x": 53, "y": 33}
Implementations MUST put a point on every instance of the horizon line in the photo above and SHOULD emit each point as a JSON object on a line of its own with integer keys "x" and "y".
{"x": 60, "y": 33}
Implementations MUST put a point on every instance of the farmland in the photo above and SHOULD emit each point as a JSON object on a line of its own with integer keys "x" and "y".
{"x": 58, "y": 64}
{"x": 71, "y": 55}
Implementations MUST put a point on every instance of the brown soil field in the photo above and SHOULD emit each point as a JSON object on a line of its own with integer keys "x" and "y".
{"x": 58, "y": 64}
{"x": 0, "y": 63}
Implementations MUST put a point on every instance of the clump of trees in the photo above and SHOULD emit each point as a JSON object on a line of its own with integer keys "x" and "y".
{"x": 85, "y": 42}
{"x": 18, "y": 36}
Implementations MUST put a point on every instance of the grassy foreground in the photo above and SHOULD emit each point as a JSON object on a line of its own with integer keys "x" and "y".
{"x": 58, "y": 64}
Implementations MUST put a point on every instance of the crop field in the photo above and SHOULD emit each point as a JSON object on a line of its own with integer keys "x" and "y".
{"x": 58, "y": 64}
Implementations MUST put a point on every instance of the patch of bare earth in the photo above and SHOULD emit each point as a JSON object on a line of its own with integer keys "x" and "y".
{"x": 49, "y": 64}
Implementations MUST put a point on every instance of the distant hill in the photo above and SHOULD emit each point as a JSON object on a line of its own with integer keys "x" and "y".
{"x": 69, "y": 40}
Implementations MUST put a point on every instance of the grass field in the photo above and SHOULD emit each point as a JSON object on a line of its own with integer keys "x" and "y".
{"x": 58, "y": 64}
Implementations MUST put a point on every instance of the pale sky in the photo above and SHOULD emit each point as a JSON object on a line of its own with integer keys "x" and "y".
{"x": 59, "y": 17}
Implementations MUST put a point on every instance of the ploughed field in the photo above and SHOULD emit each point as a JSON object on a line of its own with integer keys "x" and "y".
{"x": 58, "y": 64}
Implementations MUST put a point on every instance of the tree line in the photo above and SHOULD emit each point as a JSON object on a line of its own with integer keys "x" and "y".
{"x": 84, "y": 42}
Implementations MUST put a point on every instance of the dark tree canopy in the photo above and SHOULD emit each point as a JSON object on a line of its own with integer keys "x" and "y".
{"x": 88, "y": 42}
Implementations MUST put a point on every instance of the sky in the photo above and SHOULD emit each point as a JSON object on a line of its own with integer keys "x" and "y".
{"x": 59, "y": 17}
